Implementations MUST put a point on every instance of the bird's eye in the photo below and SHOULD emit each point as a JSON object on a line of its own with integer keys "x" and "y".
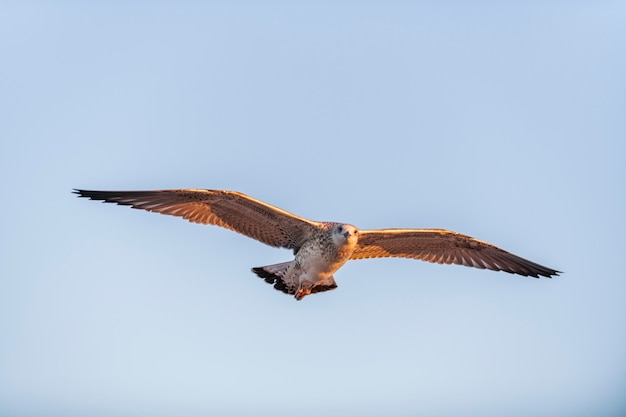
{"x": 340, "y": 229}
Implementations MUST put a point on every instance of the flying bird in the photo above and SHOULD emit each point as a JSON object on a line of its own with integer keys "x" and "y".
{"x": 320, "y": 248}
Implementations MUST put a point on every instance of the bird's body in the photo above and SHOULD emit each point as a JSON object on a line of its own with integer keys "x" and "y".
{"x": 320, "y": 248}
{"x": 315, "y": 262}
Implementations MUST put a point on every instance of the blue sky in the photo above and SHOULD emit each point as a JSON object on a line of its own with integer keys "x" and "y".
{"x": 500, "y": 120}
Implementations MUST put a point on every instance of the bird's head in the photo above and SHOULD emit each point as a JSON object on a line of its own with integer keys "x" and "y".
{"x": 345, "y": 234}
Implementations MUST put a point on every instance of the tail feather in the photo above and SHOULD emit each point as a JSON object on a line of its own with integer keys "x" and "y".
{"x": 275, "y": 274}
{"x": 286, "y": 280}
{"x": 324, "y": 285}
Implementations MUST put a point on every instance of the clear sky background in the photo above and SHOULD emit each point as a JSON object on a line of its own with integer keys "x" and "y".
{"x": 502, "y": 120}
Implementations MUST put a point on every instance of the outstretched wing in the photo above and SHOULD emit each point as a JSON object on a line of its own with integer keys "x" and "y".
{"x": 444, "y": 247}
{"x": 228, "y": 209}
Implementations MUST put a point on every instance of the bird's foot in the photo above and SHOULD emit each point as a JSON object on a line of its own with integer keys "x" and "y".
{"x": 301, "y": 293}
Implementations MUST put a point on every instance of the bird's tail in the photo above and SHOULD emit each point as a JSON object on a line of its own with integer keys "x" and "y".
{"x": 278, "y": 274}
{"x": 285, "y": 279}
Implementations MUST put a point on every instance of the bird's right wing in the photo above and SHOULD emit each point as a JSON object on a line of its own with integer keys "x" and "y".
{"x": 444, "y": 247}
{"x": 231, "y": 210}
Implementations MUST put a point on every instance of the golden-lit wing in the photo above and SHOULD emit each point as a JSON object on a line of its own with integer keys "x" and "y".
{"x": 444, "y": 247}
{"x": 228, "y": 209}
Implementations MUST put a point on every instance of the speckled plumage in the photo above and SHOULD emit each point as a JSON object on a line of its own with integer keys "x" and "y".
{"x": 320, "y": 248}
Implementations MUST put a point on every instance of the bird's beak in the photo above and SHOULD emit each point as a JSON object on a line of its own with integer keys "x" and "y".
{"x": 346, "y": 234}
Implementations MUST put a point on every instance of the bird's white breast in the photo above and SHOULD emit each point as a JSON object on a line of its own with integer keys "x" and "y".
{"x": 320, "y": 258}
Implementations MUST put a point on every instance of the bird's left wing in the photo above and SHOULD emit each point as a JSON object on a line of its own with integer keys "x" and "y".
{"x": 444, "y": 247}
{"x": 228, "y": 209}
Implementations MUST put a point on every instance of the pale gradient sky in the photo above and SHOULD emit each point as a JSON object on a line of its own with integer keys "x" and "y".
{"x": 506, "y": 122}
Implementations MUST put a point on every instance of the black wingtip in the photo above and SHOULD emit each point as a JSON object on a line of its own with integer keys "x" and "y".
{"x": 82, "y": 193}
{"x": 548, "y": 272}
{"x": 104, "y": 196}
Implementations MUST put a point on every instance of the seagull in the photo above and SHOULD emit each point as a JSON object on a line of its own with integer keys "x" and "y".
{"x": 320, "y": 248}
